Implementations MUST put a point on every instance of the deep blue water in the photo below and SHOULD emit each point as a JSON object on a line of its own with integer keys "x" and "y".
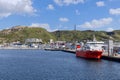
{"x": 54, "y": 65}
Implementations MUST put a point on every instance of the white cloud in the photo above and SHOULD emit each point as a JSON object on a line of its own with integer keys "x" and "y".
{"x": 68, "y": 2}
{"x": 8, "y": 7}
{"x": 109, "y": 29}
{"x": 100, "y": 4}
{"x": 97, "y": 23}
{"x": 50, "y": 7}
{"x": 115, "y": 11}
{"x": 64, "y": 19}
{"x": 77, "y": 12}
{"x": 44, "y": 25}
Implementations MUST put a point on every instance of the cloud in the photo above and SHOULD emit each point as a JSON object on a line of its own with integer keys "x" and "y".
{"x": 8, "y": 7}
{"x": 77, "y": 12}
{"x": 46, "y": 26}
{"x": 115, "y": 11}
{"x": 43, "y": 25}
{"x": 100, "y": 4}
{"x": 109, "y": 29}
{"x": 97, "y": 23}
{"x": 64, "y": 19}
{"x": 68, "y": 2}
{"x": 50, "y": 7}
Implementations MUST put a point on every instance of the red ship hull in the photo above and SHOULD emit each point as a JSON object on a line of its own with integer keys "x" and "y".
{"x": 89, "y": 54}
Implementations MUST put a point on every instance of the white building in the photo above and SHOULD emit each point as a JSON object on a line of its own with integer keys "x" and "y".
{"x": 33, "y": 40}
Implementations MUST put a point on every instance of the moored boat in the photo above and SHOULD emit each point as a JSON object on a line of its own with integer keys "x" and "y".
{"x": 91, "y": 50}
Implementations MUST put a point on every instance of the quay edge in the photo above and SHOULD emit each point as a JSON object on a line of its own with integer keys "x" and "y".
{"x": 104, "y": 56}
{"x": 111, "y": 58}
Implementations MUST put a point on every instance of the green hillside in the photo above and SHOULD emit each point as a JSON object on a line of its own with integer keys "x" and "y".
{"x": 86, "y": 35}
{"x": 20, "y": 33}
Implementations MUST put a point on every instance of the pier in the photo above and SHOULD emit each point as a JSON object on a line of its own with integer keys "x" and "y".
{"x": 105, "y": 56}
{"x": 111, "y": 57}
{"x": 69, "y": 50}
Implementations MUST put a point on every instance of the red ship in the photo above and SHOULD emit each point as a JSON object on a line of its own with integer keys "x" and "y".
{"x": 91, "y": 50}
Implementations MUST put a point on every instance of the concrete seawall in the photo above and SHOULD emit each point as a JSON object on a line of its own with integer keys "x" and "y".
{"x": 104, "y": 56}
{"x": 111, "y": 58}
{"x": 70, "y": 51}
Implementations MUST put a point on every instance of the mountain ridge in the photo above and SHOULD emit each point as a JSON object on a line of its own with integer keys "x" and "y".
{"x": 20, "y": 33}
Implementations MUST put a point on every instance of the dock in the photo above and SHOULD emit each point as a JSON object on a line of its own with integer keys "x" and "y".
{"x": 70, "y": 51}
{"x": 111, "y": 57}
{"x": 52, "y": 49}
{"x": 105, "y": 56}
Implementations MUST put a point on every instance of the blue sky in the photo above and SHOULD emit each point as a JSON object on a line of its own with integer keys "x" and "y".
{"x": 61, "y": 14}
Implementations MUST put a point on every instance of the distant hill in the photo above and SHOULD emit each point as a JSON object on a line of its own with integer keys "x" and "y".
{"x": 20, "y": 33}
{"x": 86, "y": 35}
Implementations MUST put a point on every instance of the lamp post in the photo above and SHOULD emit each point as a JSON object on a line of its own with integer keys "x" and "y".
{"x": 110, "y": 43}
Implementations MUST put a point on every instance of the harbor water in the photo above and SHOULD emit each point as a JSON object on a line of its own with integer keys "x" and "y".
{"x": 54, "y": 65}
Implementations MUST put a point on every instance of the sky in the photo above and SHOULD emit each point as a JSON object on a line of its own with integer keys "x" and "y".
{"x": 98, "y": 15}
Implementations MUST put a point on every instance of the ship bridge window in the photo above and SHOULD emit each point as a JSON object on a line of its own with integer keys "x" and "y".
{"x": 86, "y": 48}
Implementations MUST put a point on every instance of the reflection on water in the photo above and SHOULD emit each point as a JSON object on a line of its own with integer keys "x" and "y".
{"x": 56, "y": 65}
